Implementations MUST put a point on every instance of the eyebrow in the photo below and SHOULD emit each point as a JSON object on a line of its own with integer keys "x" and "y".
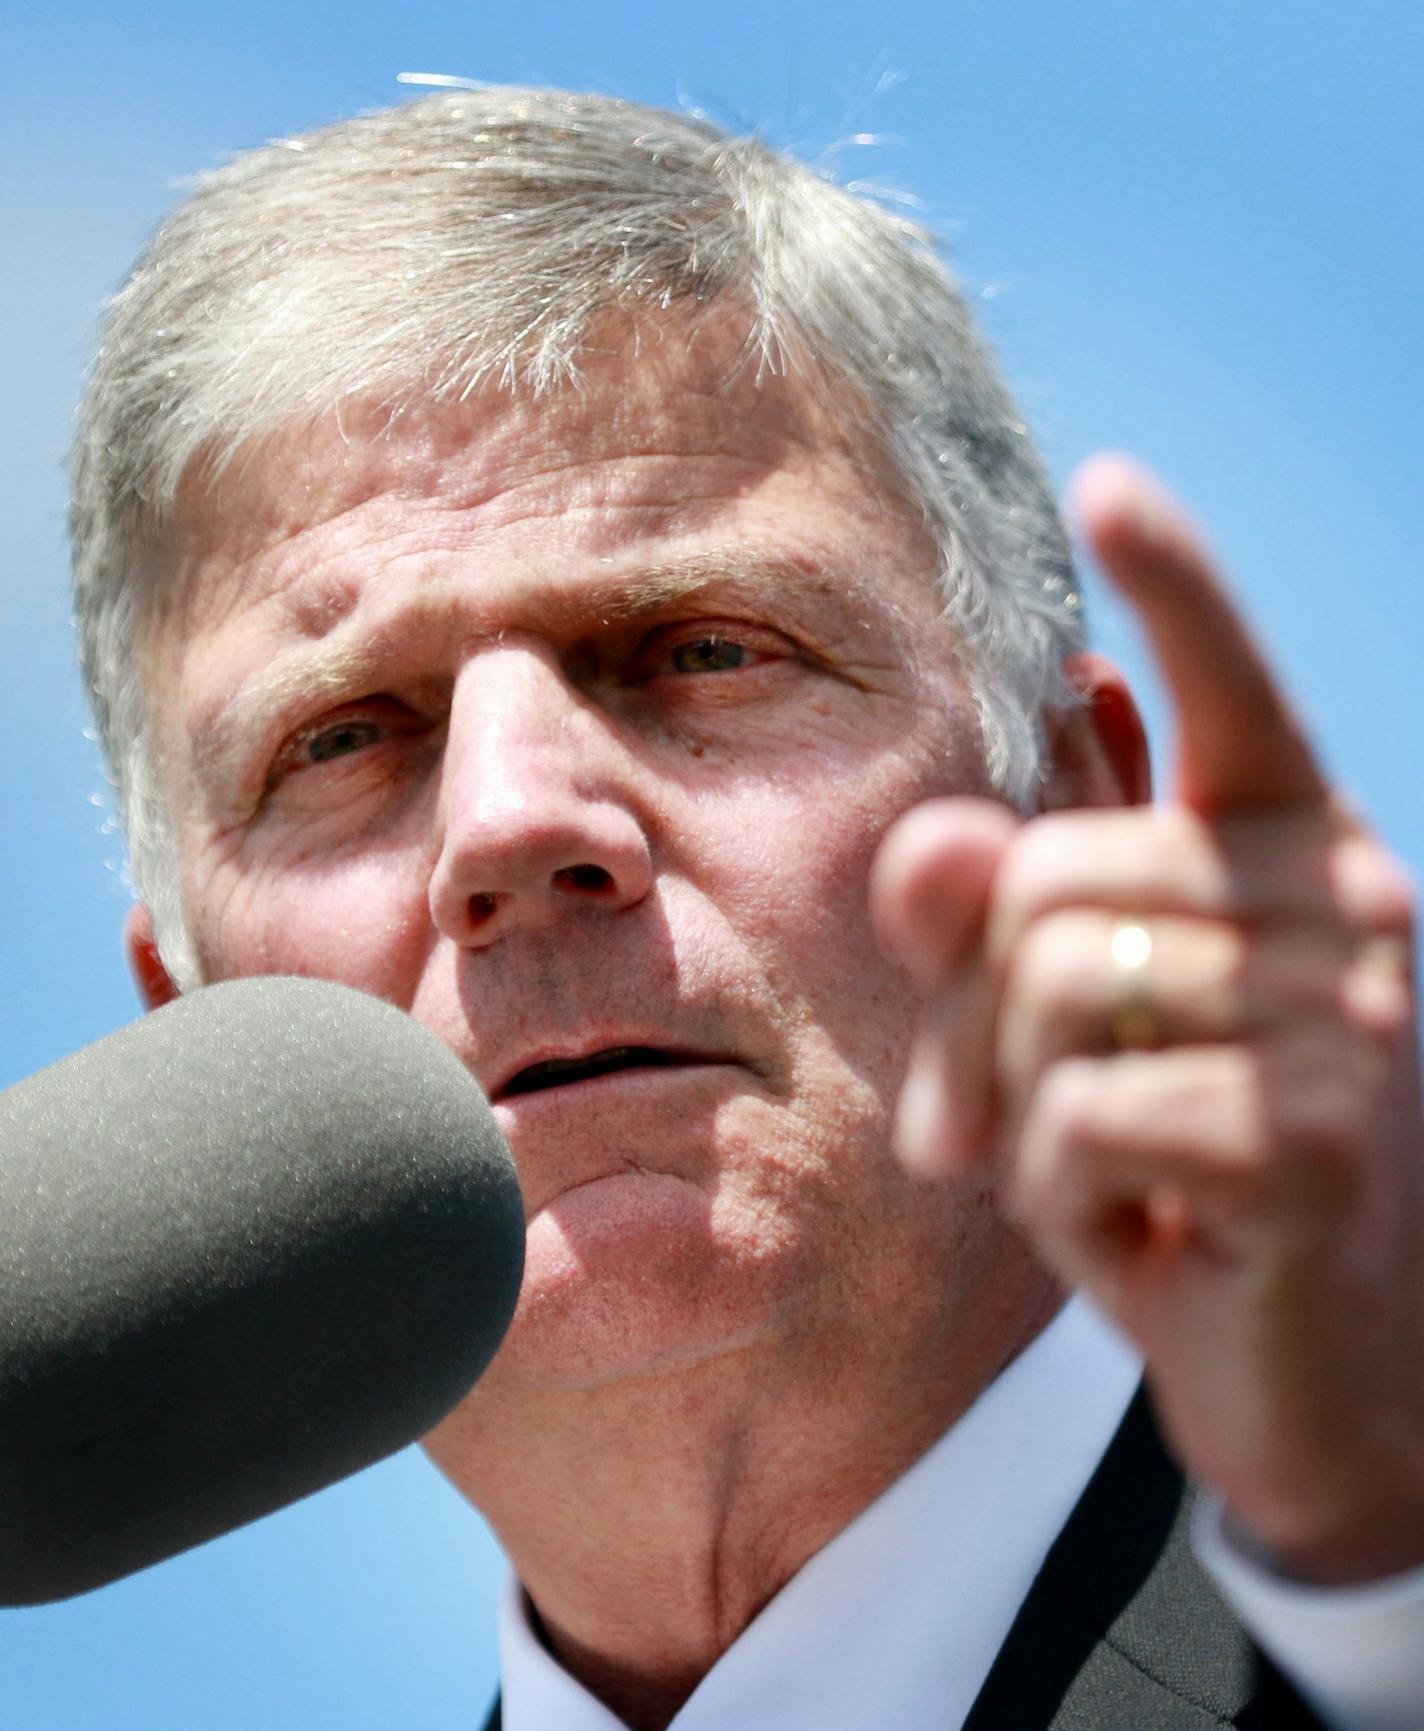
{"x": 335, "y": 668}
{"x": 650, "y": 588}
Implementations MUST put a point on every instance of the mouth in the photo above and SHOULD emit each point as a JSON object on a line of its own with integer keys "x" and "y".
{"x": 563, "y": 1072}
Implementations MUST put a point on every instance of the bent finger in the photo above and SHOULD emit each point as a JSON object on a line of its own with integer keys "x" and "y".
{"x": 1202, "y": 982}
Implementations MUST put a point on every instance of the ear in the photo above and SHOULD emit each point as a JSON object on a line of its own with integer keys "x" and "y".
{"x": 154, "y": 982}
{"x": 1097, "y": 749}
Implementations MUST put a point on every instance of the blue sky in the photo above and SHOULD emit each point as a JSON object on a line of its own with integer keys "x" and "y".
{"x": 1192, "y": 230}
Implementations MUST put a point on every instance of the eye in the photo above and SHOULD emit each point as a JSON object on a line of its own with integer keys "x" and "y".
{"x": 351, "y": 736}
{"x": 340, "y": 740}
{"x": 711, "y": 654}
{"x": 694, "y": 651}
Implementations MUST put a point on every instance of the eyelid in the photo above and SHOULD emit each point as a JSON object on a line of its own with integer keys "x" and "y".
{"x": 764, "y": 639}
{"x": 380, "y": 709}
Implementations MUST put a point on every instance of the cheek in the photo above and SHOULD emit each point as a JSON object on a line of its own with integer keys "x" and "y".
{"x": 363, "y": 921}
{"x": 791, "y": 879}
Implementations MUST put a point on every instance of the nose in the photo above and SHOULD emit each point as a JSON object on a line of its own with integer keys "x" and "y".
{"x": 536, "y": 820}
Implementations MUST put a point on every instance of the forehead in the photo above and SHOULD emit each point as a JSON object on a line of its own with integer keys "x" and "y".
{"x": 665, "y": 434}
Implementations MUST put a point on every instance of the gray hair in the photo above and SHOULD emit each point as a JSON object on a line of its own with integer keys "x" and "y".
{"x": 468, "y": 239}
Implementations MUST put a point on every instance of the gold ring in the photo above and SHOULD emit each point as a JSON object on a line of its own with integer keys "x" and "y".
{"x": 1134, "y": 1027}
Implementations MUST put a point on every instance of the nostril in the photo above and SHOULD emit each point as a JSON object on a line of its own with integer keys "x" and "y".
{"x": 583, "y": 877}
{"x": 482, "y": 906}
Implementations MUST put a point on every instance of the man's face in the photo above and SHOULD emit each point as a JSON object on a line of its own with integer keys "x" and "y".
{"x": 572, "y": 726}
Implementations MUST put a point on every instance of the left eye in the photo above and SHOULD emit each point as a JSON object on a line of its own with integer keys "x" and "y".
{"x": 341, "y": 740}
{"x": 711, "y": 655}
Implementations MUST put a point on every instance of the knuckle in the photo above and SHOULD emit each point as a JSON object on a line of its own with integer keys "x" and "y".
{"x": 1375, "y": 992}
{"x": 1323, "y": 1088}
{"x": 1375, "y": 890}
{"x": 1056, "y": 1135}
{"x": 1057, "y": 964}
{"x": 1212, "y": 974}
{"x": 1329, "y": 1139}
{"x": 1070, "y": 1104}
{"x": 1235, "y": 960}
{"x": 1339, "y": 1124}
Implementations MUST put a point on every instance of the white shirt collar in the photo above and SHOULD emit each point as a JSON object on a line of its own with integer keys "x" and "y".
{"x": 896, "y": 1622}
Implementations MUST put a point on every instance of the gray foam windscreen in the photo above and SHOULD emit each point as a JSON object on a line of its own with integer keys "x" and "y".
{"x": 251, "y": 1243}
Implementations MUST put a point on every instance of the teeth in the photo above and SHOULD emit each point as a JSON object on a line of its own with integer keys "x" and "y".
{"x": 555, "y": 1070}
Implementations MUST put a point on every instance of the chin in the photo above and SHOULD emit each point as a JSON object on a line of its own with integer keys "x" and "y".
{"x": 633, "y": 1276}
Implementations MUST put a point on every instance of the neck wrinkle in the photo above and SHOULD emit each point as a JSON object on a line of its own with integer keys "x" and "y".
{"x": 697, "y": 1529}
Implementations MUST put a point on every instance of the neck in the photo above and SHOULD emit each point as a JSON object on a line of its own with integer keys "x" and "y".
{"x": 651, "y": 1520}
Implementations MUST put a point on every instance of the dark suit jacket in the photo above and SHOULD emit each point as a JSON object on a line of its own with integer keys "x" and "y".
{"x": 1122, "y": 1630}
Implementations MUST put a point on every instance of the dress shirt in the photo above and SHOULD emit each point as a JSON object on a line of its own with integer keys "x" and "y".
{"x": 1356, "y": 1654}
{"x": 896, "y": 1622}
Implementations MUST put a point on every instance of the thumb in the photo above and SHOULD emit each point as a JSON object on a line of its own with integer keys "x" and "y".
{"x": 931, "y": 881}
{"x": 930, "y": 891}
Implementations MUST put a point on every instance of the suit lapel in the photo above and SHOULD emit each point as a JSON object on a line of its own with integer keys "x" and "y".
{"x": 1123, "y": 1630}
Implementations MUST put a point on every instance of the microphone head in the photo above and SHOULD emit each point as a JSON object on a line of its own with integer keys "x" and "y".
{"x": 251, "y": 1243}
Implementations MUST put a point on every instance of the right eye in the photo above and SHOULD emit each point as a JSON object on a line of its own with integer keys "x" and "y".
{"x": 353, "y": 737}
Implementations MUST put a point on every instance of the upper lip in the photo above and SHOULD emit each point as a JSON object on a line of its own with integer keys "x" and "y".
{"x": 573, "y": 1051}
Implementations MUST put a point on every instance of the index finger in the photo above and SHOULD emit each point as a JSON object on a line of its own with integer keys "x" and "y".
{"x": 1240, "y": 743}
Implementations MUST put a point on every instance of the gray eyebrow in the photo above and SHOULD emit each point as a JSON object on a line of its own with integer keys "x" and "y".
{"x": 217, "y": 741}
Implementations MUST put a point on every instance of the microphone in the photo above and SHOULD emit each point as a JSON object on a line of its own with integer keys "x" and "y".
{"x": 253, "y": 1242}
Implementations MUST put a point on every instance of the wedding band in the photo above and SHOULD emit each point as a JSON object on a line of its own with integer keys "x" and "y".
{"x": 1134, "y": 1028}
